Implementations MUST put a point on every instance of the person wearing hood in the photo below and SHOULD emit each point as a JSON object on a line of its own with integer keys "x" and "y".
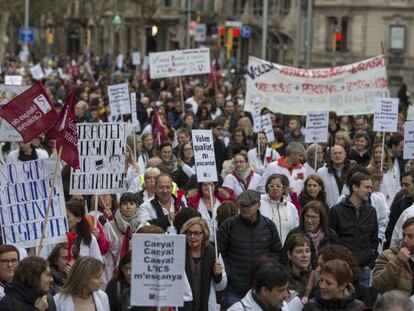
{"x": 9, "y": 259}
{"x": 336, "y": 292}
{"x": 276, "y": 206}
{"x": 29, "y": 287}
{"x": 394, "y": 267}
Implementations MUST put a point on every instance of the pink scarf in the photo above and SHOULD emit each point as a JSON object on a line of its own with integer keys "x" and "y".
{"x": 316, "y": 238}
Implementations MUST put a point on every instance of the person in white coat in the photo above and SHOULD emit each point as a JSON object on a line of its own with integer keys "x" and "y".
{"x": 267, "y": 155}
{"x": 242, "y": 177}
{"x": 26, "y": 152}
{"x": 81, "y": 289}
{"x": 391, "y": 183}
{"x": 289, "y": 166}
{"x": 309, "y": 165}
{"x": 275, "y": 206}
{"x": 333, "y": 175}
{"x": 269, "y": 292}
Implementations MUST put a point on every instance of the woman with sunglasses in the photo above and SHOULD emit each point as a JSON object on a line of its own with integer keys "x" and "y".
{"x": 276, "y": 206}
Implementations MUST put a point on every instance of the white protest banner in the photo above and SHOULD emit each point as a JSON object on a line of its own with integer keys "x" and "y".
{"x": 13, "y": 80}
{"x": 136, "y": 58}
{"x": 8, "y": 132}
{"x": 179, "y": 63}
{"x": 119, "y": 99}
{"x": 158, "y": 266}
{"x": 347, "y": 90}
{"x": 37, "y": 72}
{"x": 408, "y": 140}
{"x": 386, "y": 115}
{"x": 205, "y": 160}
{"x": 102, "y": 159}
{"x": 267, "y": 127}
{"x": 256, "y": 115}
{"x": 317, "y": 127}
{"x": 145, "y": 63}
{"x": 134, "y": 108}
{"x": 24, "y": 189}
{"x": 8, "y": 92}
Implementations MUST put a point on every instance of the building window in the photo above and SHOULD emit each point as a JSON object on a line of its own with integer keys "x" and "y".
{"x": 238, "y": 7}
{"x": 168, "y": 3}
{"x": 258, "y": 8}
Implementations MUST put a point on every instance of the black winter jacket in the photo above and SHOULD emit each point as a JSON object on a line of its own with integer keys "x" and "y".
{"x": 330, "y": 238}
{"x": 399, "y": 205}
{"x": 348, "y": 303}
{"x": 20, "y": 297}
{"x": 241, "y": 242}
{"x": 359, "y": 234}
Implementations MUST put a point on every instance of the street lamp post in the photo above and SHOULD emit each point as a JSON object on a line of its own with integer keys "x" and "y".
{"x": 188, "y": 42}
{"x": 264, "y": 27}
{"x": 26, "y": 22}
{"x": 309, "y": 34}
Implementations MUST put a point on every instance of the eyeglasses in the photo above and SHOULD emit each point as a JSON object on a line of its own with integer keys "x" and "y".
{"x": 313, "y": 218}
{"x": 6, "y": 262}
{"x": 195, "y": 234}
{"x": 276, "y": 187}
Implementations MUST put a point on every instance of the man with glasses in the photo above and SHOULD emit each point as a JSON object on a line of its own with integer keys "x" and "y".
{"x": 241, "y": 240}
{"x": 161, "y": 210}
{"x": 9, "y": 259}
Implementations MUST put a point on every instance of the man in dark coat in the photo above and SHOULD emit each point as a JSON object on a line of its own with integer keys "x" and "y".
{"x": 241, "y": 240}
{"x": 355, "y": 222}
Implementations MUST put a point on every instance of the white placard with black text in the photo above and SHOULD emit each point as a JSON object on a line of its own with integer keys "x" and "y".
{"x": 119, "y": 99}
{"x": 267, "y": 127}
{"x": 158, "y": 265}
{"x": 386, "y": 115}
{"x": 408, "y": 152}
{"x": 317, "y": 127}
{"x": 205, "y": 160}
{"x": 256, "y": 115}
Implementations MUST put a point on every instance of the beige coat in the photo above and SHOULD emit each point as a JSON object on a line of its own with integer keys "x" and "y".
{"x": 391, "y": 272}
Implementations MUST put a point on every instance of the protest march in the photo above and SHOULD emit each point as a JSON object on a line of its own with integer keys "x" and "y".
{"x": 180, "y": 185}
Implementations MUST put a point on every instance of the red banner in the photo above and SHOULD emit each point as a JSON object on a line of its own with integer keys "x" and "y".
{"x": 30, "y": 113}
{"x": 65, "y": 132}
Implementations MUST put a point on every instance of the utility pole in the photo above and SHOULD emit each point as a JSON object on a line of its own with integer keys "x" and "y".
{"x": 264, "y": 27}
{"x": 26, "y": 22}
{"x": 297, "y": 34}
{"x": 309, "y": 34}
{"x": 188, "y": 39}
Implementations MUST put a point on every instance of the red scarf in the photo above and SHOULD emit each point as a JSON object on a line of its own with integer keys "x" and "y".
{"x": 246, "y": 184}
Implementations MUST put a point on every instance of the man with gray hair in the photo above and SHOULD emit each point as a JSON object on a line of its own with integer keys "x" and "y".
{"x": 393, "y": 301}
{"x": 309, "y": 165}
{"x": 290, "y": 166}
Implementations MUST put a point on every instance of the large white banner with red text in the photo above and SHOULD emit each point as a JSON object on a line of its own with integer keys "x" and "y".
{"x": 347, "y": 90}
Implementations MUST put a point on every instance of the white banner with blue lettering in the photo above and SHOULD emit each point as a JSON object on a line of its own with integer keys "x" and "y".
{"x": 24, "y": 190}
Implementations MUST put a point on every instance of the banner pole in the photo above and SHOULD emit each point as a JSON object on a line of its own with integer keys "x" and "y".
{"x": 182, "y": 93}
{"x": 214, "y": 221}
{"x": 95, "y": 212}
{"x": 49, "y": 201}
{"x": 382, "y": 151}
{"x": 135, "y": 145}
{"x": 258, "y": 147}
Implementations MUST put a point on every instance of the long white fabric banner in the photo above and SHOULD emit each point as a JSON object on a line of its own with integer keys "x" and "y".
{"x": 347, "y": 90}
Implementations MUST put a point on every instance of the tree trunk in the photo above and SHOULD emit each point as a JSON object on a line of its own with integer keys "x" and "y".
{"x": 4, "y": 21}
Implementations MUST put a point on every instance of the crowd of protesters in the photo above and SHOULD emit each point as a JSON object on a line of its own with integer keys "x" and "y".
{"x": 299, "y": 227}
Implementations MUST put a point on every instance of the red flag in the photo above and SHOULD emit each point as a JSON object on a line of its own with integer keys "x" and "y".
{"x": 30, "y": 113}
{"x": 65, "y": 132}
{"x": 157, "y": 127}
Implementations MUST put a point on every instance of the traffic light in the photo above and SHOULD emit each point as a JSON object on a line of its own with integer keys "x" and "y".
{"x": 50, "y": 35}
{"x": 337, "y": 41}
{"x": 221, "y": 36}
{"x": 88, "y": 37}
